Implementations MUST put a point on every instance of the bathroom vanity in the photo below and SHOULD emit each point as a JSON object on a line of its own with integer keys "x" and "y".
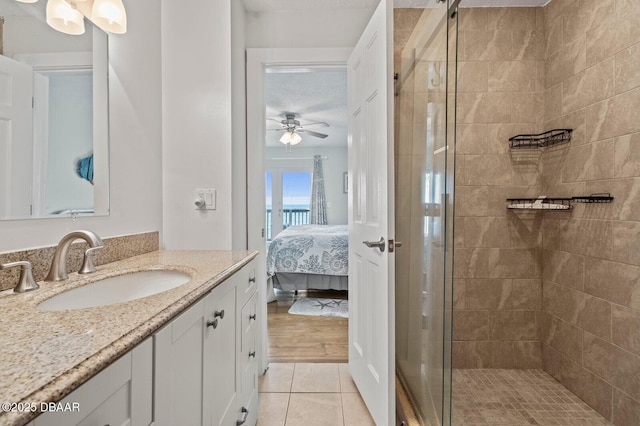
{"x": 183, "y": 356}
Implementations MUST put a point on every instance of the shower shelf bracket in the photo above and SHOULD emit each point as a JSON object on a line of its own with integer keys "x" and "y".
{"x": 548, "y": 203}
{"x": 540, "y": 140}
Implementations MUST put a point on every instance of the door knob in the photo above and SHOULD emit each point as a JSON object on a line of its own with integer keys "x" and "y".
{"x": 379, "y": 244}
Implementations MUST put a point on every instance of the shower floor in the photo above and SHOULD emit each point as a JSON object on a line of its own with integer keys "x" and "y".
{"x": 516, "y": 397}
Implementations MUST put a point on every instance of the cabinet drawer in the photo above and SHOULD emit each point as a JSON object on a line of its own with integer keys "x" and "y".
{"x": 247, "y": 282}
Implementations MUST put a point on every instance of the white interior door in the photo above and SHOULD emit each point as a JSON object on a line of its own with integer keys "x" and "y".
{"x": 16, "y": 131}
{"x": 371, "y": 272}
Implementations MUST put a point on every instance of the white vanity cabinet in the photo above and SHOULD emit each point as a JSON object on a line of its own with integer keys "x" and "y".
{"x": 203, "y": 372}
{"x": 121, "y": 394}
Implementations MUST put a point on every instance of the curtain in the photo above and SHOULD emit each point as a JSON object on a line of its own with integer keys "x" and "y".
{"x": 318, "y": 200}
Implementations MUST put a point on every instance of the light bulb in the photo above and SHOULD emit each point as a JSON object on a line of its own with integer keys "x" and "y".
{"x": 295, "y": 139}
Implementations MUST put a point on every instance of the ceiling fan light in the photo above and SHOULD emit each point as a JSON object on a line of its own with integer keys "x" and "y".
{"x": 110, "y": 16}
{"x": 295, "y": 139}
{"x": 27, "y": 1}
{"x": 63, "y": 17}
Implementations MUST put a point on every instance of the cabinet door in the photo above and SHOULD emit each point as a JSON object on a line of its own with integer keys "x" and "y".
{"x": 179, "y": 369}
{"x": 247, "y": 359}
{"x": 220, "y": 387}
{"x": 121, "y": 394}
{"x": 246, "y": 282}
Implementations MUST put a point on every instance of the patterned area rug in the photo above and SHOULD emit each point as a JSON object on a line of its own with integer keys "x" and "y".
{"x": 320, "y": 307}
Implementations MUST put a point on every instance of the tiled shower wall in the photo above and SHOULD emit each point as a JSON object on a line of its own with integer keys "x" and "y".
{"x": 497, "y": 287}
{"x": 591, "y": 256}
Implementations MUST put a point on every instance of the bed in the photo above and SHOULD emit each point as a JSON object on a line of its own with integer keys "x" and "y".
{"x": 309, "y": 257}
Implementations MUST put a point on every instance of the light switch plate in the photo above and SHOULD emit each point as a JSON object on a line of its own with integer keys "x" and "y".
{"x": 209, "y": 197}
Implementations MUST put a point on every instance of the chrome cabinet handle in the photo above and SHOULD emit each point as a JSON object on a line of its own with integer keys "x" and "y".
{"x": 219, "y": 314}
{"x": 380, "y": 244}
{"x": 252, "y": 317}
{"x": 252, "y": 279}
{"x": 252, "y": 354}
{"x": 245, "y": 415}
{"x": 213, "y": 324}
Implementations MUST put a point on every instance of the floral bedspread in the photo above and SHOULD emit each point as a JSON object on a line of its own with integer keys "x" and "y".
{"x": 310, "y": 249}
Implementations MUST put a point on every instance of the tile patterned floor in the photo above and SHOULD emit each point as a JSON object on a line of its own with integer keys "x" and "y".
{"x": 309, "y": 394}
{"x": 515, "y": 398}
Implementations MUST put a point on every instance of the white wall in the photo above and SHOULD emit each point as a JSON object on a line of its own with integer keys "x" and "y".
{"x": 135, "y": 141}
{"x": 196, "y": 91}
{"x": 306, "y": 28}
{"x": 238, "y": 123}
{"x": 333, "y": 168}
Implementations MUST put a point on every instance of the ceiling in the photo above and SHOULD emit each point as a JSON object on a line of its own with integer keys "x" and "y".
{"x": 313, "y": 94}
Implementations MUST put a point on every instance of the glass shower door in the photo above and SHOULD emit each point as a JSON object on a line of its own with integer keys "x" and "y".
{"x": 424, "y": 213}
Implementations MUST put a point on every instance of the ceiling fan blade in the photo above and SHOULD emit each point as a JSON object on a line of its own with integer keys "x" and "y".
{"x": 316, "y": 123}
{"x": 312, "y": 133}
{"x": 276, "y": 130}
{"x": 273, "y": 119}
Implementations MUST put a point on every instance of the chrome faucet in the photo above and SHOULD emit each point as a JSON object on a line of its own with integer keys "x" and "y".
{"x": 58, "y": 270}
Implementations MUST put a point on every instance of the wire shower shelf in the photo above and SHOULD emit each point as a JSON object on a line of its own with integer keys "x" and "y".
{"x": 552, "y": 137}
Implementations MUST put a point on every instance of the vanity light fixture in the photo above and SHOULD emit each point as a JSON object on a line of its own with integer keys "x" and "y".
{"x": 290, "y": 138}
{"x": 64, "y": 17}
{"x": 67, "y": 16}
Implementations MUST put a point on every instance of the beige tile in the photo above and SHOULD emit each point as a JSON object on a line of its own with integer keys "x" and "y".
{"x": 626, "y": 410}
{"x": 487, "y": 170}
{"x": 486, "y": 232}
{"x": 528, "y": 107}
{"x": 487, "y": 46}
{"x": 616, "y": 116}
{"x": 316, "y": 377}
{"x": 627, "y": 69}
{"x": 346, "y": 382}
{"x": 562, "y": 336}
{"x": 512, "y": 325}
{"x": 273, "y": 409}
{"x": 553, "y": 103}
{"x": 511, "y": 18}
{"x": 576, "y": 121}
{"x": 529, "y": 44}
{"x": 591, "y": 161}
{"x": 277, "y": 379}
{"x": 526, "y": 294}
{"x": 617, "y": 366}
{"x": 626, "y": 244}
{"x": 484, "y": 108}
{"x": 589, "y": 86}
{"x": 471, "y": 325}
{"x": 566, "y": 62}
{"x": 563, "y": 268}
{"x": 626, "y": 193}
{"x": 626, "y": 323}
{"x": 473, "y": 77}
{"x": 489, "y": 354}
{"x": 483, "y": 294}
{"x": 405, "y": 19}
{"x": 613, "y": 281}
{"x": 471, "y": 139}
{"x": 495, "y": 263}
{"x": 315, "y": 409}
{"x": 585, "y": 15}
{"x": 627, "y": 155}
{"x": 554, "y": 30}
{"x": 511, "y": 76}
{"x": 355, "y": 411}
{"x": 474, "y": 18}
{"x": 498, "y": 137}
{"x": 527, "y": 355}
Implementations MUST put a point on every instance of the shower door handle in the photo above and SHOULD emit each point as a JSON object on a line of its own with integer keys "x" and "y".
{"x": 380, "y": 244}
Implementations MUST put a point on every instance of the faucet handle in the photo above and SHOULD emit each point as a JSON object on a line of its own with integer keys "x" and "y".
{"x": 26, "y": 281}
{"x": 88, "y": 264}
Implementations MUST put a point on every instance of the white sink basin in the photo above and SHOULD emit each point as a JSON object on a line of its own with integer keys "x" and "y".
{"x": 118, "y": 289}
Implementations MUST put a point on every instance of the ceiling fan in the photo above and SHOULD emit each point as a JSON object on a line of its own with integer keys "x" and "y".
{"x": 292, "y": 127}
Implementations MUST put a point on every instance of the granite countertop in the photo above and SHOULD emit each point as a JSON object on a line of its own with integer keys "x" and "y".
{"x": 44, "y": 356}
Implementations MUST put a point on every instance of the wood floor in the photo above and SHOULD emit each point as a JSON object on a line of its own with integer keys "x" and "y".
{"x": 302, "y": 338}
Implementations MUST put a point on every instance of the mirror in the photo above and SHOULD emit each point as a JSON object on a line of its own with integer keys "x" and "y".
{"x": 54, "y": 155}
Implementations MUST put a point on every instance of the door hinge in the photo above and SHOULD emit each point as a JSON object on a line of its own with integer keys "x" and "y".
{"x": 262, "y": 233}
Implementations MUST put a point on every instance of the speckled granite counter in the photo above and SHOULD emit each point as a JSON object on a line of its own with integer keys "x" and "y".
{"x": 44, "y": 356}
